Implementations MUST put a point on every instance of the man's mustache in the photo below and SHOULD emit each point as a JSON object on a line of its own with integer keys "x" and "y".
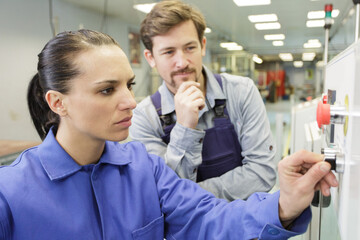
{"x": 185, "y": 70}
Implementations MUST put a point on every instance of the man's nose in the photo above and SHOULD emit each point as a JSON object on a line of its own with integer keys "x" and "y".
{"x": 181, "y": 60}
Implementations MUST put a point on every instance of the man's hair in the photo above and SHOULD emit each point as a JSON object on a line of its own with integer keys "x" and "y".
{"x": 167, "y": 14}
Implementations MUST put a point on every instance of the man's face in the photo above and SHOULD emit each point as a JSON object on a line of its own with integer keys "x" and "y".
{"x": 177, "y": 55}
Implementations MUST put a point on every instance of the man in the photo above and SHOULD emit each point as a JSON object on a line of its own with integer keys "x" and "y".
{"x": 209, "y": 128}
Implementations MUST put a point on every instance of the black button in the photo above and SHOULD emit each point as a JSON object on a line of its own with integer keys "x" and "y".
{"x": 194, "y": 171}
{"x": 271, "y": 148}
{"x": 201, "y": 140}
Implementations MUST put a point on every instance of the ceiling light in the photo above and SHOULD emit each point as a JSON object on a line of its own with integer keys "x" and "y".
{"x": 235, "y": 48}
{"x": 267, "y": 26}
{"x": 351, "y": 12}
{"x": 256, "y": 59}
{"x": 274, "y": 37}
{"x": 320, "y": 64}
{"x": 263, "y": 18}
{"x": 278, "y": 43}
{"x": 314, "y": 44}
{"x": 321, "y": 14}
{"x": 286, "y": 56}
{"x": 308, "y": 56}
{"x": 315, "y": 23}
{"x": 207, "y": 30}
{"x": 145, "y": 8}
{"x": 228, "y": 44}
{"x": 313, "y": 40}
{"x": 243, "y": 3}
{"x": 298, "y": 64}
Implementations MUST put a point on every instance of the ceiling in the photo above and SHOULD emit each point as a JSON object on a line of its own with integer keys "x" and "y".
{"x": 229, "y": 22}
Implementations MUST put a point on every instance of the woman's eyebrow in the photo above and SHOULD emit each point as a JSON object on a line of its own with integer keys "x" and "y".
{"x": 107, "y": 81}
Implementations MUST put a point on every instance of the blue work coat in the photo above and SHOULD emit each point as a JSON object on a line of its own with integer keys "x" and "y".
{"x": 128, "y": 194}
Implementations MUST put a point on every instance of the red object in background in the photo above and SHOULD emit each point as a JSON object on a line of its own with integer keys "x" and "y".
{"x": 328, "y": 7}
{"x": 323, "y": 114}
{"x": 324, "y": 98}
{"x": 279, "y": 78}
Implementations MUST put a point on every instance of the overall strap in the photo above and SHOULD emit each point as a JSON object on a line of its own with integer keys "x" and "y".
{"x": 156, "y": 100}
{"x": 218, "y": 79}
{"x": 166, "y": 119}
{"x": 220, "y": 104}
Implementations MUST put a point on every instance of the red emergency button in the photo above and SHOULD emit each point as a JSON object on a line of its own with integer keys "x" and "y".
{"x": 325, "y": 99}
{"x": 323, "y": 114}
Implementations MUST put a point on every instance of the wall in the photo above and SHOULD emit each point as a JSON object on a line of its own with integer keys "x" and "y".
{"x": 24, "y": 30}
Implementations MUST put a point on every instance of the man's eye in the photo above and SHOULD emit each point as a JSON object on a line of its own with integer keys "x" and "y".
{"x": 168, "y": 52}
{"x": 107, "y": 91}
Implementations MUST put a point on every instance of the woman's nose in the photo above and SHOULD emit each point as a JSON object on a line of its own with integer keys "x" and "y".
{"x": 127, "y": 100}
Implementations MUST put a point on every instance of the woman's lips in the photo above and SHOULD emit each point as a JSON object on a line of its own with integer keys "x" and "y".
{"x": 125, "y": 122}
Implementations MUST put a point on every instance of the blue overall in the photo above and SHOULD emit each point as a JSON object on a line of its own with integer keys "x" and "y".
{"x": 221, "y": 148}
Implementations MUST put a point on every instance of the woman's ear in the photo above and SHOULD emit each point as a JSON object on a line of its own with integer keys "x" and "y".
{"x": 55, "y": 102}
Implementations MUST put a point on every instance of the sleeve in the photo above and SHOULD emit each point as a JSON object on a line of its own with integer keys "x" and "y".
{"x": 248, "y": 114}
{"x": 182, "y": 154}
{"x": 5, "y": 219}
{"x": 193, "y": 213}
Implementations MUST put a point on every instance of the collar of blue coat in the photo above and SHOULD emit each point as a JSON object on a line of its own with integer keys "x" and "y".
{"x": 213, "y": 91}
{"x": 58, "y": 164}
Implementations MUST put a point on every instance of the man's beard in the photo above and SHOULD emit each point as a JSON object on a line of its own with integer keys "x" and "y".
{"x": 185, "y": 70}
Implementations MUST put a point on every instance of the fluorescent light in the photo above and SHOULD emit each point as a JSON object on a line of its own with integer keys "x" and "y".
{"x": 320, "y": 64}
{"x": 308, "y": 56}
{"x": 312, "y": 43}
{"x": 228, "y": 44}
{"x": 145, "y": 8}
{"x": 278, "y": 43}
{"x": 298, "y": 64}
{"x": 256, "y": 59}
{"x": 315, "y": 23}
{"x": 351, "y": 12}
{"x": 243, "y": 3}
{"x": 207, "y": 30}
{"x": 263, "y": 18}
{"x": 235, "y": 48}
{"x": 321, "y": 14}
{"x": 315, "y": 14}
{"x": 231, "y": 46}
{"x": 267, "y": 26}
{"x": 286, "y": 56}
{"x": 313, "y": 40}
{"x": 274, "y": 37}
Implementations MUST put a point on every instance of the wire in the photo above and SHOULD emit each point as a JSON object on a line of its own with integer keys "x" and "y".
{"x": 51, "y": 18}
{"x": 104, "y": 15}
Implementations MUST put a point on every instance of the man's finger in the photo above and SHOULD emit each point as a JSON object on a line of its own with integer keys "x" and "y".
{"x": 186, "y": 85}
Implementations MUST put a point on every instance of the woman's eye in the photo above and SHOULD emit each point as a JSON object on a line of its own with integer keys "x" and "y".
{"x": 130, "y": 85}
{"x": 107, "y": 91}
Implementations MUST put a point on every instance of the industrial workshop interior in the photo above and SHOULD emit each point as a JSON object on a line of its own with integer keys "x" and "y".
{"x": 302, "y": 55}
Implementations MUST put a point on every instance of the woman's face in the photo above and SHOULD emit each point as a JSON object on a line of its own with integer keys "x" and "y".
{"x": 100, "y": 101}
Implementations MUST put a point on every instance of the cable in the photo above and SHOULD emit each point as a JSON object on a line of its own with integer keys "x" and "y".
{"x": 104, "y": 15}
{"x": 51, "y": 18}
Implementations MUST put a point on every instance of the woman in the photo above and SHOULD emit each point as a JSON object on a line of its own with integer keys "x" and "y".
{"x": 80, "y": 183}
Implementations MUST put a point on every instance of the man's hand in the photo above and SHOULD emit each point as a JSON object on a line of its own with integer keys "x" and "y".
{"x": 188, "y": 101}
{"x": 300, "y": 174}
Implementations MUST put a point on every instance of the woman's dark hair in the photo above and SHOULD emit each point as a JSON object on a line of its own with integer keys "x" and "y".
{"x": 56, "y": 68}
